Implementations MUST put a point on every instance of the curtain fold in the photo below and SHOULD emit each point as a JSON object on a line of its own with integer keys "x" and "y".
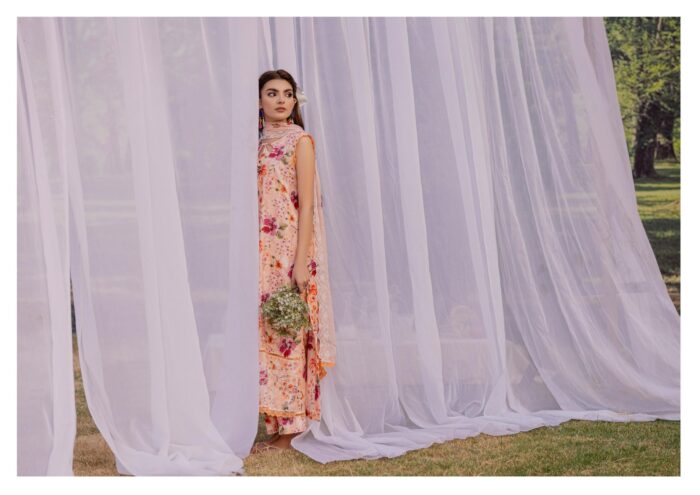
{"x": 488, "y": 266}
{"x": 46, "y": 416}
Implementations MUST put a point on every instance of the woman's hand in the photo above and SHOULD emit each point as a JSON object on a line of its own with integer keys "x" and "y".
{"x": 300, "y": 277}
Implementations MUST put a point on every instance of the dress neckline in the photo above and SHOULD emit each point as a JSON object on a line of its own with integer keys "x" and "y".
{"x": 277, "y": 129}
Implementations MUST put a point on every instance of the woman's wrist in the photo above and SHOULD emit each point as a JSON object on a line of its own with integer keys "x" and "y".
{"x": 298, "y": 259}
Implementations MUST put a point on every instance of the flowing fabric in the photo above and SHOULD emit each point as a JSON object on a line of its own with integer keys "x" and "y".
{"x": 46, "y": 416}
{"x": 489, "y": 269}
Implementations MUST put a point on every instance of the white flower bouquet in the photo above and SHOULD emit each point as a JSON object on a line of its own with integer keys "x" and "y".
{"x": 286, "y": 311}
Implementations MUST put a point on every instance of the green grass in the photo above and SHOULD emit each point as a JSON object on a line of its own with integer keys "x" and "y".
{"x": 572, "y": 448}
{"x": 659, "y": 205}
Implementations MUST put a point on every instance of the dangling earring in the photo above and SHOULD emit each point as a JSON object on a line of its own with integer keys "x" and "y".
{"x": 261, "y": 121}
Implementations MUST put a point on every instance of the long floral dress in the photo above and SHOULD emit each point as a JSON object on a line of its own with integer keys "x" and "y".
{"x": 290, "y": 370}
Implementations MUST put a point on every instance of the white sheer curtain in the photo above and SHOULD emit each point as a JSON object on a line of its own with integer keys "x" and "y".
{"x": 46, "y": 416}
{"x": 488, "y": 266}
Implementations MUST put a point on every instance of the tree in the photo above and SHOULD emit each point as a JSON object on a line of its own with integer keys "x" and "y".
{"x": 646, "y": 57}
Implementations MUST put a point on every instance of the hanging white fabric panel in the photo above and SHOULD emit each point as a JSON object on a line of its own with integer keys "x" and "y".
{"x": 46, "y": 417}
{"x": 489, "y": 270}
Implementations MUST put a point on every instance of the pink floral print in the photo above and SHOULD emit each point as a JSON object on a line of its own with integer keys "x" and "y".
{"x": 290, "y": 371}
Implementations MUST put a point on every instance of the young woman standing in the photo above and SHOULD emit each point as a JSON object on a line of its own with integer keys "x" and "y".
{"x": 292, "y": 248}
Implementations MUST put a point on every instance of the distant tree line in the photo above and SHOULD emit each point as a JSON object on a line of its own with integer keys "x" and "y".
{"x": 646, "y": 57}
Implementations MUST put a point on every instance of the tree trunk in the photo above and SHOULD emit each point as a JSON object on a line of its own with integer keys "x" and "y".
{"x": 645, "y": 139}
{"x": 664, "y": 149}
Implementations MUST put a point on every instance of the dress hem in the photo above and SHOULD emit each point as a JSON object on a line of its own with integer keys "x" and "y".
{"x": 284, "y": 414}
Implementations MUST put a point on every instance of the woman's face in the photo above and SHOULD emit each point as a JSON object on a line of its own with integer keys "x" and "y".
{"x": 277, "y": 100}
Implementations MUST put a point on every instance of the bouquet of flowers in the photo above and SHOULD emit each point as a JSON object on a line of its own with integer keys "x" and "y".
{"x": 286, "y": 311}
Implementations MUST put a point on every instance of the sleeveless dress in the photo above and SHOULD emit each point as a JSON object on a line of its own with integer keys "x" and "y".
{"x": 290, "y": 371}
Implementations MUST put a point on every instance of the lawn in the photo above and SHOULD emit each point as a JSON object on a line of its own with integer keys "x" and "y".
{"x": 572, "y": 448}
{"x": 659, "y": 205}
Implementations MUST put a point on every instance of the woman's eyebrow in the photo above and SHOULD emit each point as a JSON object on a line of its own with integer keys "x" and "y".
{"x": 273, "y": 89}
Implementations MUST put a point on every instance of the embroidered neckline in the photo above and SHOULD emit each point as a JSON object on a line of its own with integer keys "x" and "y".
{"x": 275, "y": 130}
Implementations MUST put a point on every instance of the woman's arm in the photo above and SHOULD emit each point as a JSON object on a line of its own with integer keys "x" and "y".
{"x": 305, "y": 167}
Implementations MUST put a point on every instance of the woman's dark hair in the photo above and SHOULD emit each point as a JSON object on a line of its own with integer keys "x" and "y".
{"x": 282, "y": 74}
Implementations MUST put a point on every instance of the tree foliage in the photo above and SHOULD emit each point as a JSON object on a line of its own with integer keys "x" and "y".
{"x": 646, "y": 58}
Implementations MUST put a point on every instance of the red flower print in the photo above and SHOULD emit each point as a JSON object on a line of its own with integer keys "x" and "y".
{"x": 286, "y": 347}
{"x": 285, "y": 421}
{"x": 277, "y": 151}
{"x": 295, "y": 199}
{"x": 289, "y": 273}
{"x": 263, "y": 377}
{"x": 317, "y": 391}
{"x": 264, "y": 297}
{"x": 312, "y": 267}
{"x": 269, "y": 225}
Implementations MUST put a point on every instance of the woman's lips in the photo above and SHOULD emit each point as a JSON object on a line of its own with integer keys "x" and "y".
{"x": 280, "y": 109}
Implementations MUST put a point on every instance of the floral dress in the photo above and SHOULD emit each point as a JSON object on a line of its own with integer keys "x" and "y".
{"x": 290, "y": 368}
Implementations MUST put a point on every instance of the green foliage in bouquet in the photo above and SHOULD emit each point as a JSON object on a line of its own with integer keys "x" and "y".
{"x": 286, "y": 311}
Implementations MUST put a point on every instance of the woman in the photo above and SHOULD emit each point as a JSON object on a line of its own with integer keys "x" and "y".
{"x": 292, "y": 250}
